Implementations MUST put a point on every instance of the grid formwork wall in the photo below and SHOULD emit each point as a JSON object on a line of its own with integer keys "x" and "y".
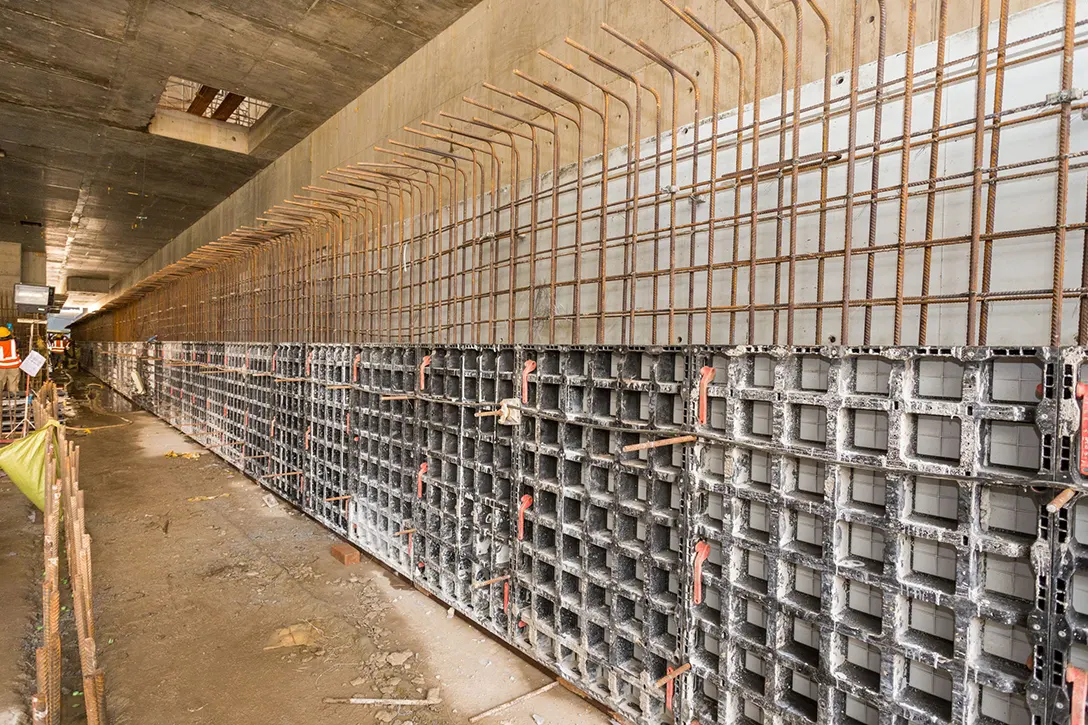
{"x": 807, "y": 534}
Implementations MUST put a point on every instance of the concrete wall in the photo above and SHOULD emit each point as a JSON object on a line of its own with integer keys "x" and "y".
{"x": 33, "y": 266}
{"x": 11, "y": 261}
{"x": 498, "y": 36}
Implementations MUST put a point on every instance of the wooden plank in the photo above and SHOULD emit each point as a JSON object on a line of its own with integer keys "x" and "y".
{"x": 228, "y": 106}
{"x": 204, "y": 98}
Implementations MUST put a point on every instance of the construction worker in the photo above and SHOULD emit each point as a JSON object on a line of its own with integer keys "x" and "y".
{"x": 10, "y": 375}
{"x": 58, "y": 346}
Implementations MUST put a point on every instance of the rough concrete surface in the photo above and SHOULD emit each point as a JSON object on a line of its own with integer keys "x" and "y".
{"x": 20, "y": 567}
{"x": 190, "y": 593}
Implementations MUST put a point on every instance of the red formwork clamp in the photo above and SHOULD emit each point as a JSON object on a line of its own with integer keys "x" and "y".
{"x": 247, "y": 359}
{"x": 307, "y": 441}
{"x": 505, "y": 596}
{"x": 419, "y": 479}
{"x": 423, "y": 366}
{"x": 706, "y": 375}
{"x": 1079, "y": 678}
{"x": 355, "y": 368}
{"x": 347, "y": 422}
{"x": 272, "y": 428}
{"x": 528, "y": 367}
{"x": 670, "y": 690}
{"x": 526, "y": 502}
{"x": 409, "y": 545}
{"x": 702, "y": 551}
{"x": 1082, "y": 390}
{"x": 274, "y": 354}
{"x": 309, "y": 357}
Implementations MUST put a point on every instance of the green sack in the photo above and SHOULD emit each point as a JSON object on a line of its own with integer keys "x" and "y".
{"x": 24, "y": 462}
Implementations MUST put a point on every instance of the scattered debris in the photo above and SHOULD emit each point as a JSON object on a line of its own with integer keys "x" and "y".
{"x": 192, "y": 455}
{"x": 432, "y": 699}
{"x": 270, "y": 501}
{"x": 346, "y": 554}
{"x": 297, "y": 635}
{"x": 538, "y": 719}
{"x": 506, "y": 705}
{"x": 195, "y": 499}
{"x": 399, "y": 658}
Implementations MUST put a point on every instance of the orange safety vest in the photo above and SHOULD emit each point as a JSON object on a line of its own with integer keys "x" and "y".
{"x": 9, "y": 354}
{"x": 59, "y": 345}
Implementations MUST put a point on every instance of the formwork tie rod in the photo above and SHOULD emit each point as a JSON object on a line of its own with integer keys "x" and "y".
{"x": 659, "y": 443}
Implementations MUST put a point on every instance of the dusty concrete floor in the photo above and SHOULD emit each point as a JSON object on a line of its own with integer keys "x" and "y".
{"x": 20, "y": 567}
{"x": 188, "y": 595}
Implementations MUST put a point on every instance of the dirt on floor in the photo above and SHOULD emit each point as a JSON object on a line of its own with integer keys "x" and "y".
{"x": 194, "y": 601}
{"x": 20, "y": 599}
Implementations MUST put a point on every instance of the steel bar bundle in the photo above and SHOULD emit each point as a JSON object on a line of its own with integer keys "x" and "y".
{"x": 806, "y": 203}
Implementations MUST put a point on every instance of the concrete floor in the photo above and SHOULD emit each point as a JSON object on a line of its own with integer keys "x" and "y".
{"x": 190, "y": 593}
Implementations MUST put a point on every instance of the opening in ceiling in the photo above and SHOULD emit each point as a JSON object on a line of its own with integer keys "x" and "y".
{"x": 214, "y": 103}
{"x": 199, "y": 113}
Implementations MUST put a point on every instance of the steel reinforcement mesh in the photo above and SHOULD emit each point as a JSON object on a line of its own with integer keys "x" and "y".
{"x": 825, "y": 535}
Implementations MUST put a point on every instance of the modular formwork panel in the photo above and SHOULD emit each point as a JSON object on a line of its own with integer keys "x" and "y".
{"x": 170, "y": 393}
{"x": 487, "y": 479}
{"x": 824, "y": 535}
{"x": 328, "y": 422}
{"x": 287, "y": 429}
{"x": 599, "y": 562}
{"x": 259, "y": 408}
{"x": 386, "y": 467}
{"x": 443, "y": 513}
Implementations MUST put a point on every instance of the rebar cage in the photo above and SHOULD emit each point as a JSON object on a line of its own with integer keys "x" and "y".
{"x": 872, "y": 203}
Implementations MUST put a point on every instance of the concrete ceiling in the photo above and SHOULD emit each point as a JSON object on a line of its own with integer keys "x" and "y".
{"x": 80, "y": 80}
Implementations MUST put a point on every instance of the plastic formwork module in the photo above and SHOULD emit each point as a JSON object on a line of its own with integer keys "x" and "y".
{"x": 259, "y": 409}
{"x": 955, "y": 412}
{"x": 487, "y": 479}
{"x": 1066, "y": 620}
{"x": 287, "y": 428}
{"x": 327, "y": 428}
{"x": 386, "y": 463}
{"x": 443, "y": 513}
{"x": 232, "y": 379}
{"x": 1071, "y": 438}
{"x": 148, "y": 370}
{"x": 599, "y": 555}
{"x": 214, "y": 373}
{"x": 839, "y": 593}
{"x": 194, "y": 405}
{"x": 824, "y": 535}
{"x": 170, "y": 396}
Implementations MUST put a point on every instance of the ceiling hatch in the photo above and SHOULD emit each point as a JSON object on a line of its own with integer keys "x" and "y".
{"x": 199, "y": 113}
